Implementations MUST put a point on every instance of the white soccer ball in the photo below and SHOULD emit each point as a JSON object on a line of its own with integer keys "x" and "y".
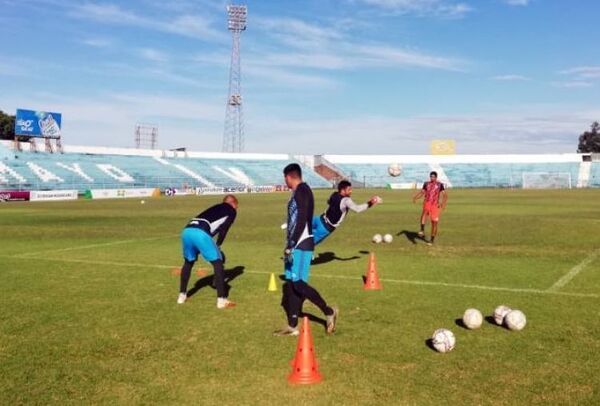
{"x": 472, "y": 319}
{"x": 377, "y": 238}
{"x": 515, "y": 320}
{"x": 443, "y": 340}
{"x": 394, "y": 170}
{"x": 388, "y": 238}
{"x": 500, "y": 312}
{"x": 143, "y": 202}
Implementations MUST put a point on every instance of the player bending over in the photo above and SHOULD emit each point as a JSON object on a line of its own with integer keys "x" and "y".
{"x": 298, "y": 254}
{"x": 197, "y": 238}
{"x": 432, "y": 191}
{"x": 338, "y": 205}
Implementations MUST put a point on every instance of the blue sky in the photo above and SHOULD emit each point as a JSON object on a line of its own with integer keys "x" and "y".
{"x": 319, "y": 76}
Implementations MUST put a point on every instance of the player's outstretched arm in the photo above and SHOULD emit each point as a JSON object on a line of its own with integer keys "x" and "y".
{"x": 348, "y": 203}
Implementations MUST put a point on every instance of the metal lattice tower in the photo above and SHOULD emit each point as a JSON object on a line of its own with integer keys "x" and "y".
{"x": 146, "y": 135}
{"x": 233, "y": 135}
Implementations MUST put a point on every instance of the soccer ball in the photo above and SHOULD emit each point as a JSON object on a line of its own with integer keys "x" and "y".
{"x": 472, "y": 319}
{"x": 394, "y": 170}
{"x": 143, "y": 202}
{"x": 388, "y": 238}
{"x": 443, "y": 340}
{"x": 500, "y": 312}
{"x": 515, "y": 320}
{"x": 377, "y": 238}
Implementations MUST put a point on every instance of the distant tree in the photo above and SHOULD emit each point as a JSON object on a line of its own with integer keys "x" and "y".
{"x": 589, "y": 141}
{"x": 7, "y": 126}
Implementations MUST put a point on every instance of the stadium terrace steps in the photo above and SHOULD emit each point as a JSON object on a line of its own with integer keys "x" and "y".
{"x": 83, "y": 171}
{"x": 471, "y": 171}
{"x": 84, "y": 168}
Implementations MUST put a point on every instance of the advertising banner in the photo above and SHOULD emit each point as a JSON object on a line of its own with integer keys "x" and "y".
{"x": 409, "y": 185}
{"x": 12, "y": 196}
{"x": 179, "y": 192}
{"x": 220, "y": 190}
{"x": 52, "y": 195}
{"x": 443, "y": 147}
{"x": 32, "y": 123}
{"x": 121, "y": 193}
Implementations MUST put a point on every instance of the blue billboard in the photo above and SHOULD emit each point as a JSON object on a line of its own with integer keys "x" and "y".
{"x": 31, "y": 123}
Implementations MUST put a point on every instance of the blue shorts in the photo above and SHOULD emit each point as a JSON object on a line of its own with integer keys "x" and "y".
{"x": 196, "y": 241}
{"x": 320, "y": 232}
{"x": 298, "y": 267}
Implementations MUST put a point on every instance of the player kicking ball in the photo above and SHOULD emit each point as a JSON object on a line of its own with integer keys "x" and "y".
{"x": 339, "y": 203}
{"x": 197, "y": 238}
{"x": 298, "y": 254}
{"x": 432, "y": 207}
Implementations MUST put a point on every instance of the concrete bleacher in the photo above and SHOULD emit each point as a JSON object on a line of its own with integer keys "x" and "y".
{"x": 84, "y": 168}
{"x": 467, "y": 171}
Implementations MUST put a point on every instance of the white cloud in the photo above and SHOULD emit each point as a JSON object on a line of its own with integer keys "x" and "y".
{"x": 510, "y": 78}
{"x": 97, "y": 42}
{"x": 529, "y": 131}
{"x": 583, "y": 72}
{"x": 573, "y": 84}
{"x": 439, "y": 8}
{"x": 193, "y": 26}
{"x": 153, "y": 55}
{"x": 517, "y": 2}
{"x": 324, "y": 47}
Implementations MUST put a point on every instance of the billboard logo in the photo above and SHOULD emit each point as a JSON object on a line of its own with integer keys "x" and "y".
{"x": 38, "y": 124}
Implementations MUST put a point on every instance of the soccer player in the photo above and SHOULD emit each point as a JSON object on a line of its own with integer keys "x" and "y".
{"x": 298, "y": 254}
{"x": 338, "y": 205}
{"x": 197, "y": 238}
{"x": 432, "y": 191}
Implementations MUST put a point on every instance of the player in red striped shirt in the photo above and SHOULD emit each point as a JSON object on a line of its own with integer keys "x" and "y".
{"x": 432, "y": 207}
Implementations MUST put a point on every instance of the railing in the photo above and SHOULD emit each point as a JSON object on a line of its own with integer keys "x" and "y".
{"x": 140, "y": 182}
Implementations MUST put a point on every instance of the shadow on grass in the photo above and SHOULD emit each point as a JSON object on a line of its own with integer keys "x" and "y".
{"x": 460, "y": 323}
{"x": 325, "y": 257}
{"x": 429, "y": 344}
{"x": 230, "y": 275}
{"x": 315, "y": 319}
{"x": 411, "y": 236}
{"x": 492, "y": 321}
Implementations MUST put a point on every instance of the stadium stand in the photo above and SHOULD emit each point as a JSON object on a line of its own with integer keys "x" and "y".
{"x": 472, "y": 171}
{"x": 84, "y": 168}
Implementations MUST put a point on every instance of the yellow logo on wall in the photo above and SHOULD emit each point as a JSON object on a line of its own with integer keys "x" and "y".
{"x": 443, "y": 147}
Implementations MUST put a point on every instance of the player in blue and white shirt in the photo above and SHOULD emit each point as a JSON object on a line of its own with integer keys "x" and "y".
{"x": 339, "y": 203}
{"x": 298, "y": 255}
{"x": 197, "y": 238}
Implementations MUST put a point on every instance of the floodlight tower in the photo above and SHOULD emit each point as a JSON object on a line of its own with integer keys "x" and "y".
{"x": 233, "y": 135}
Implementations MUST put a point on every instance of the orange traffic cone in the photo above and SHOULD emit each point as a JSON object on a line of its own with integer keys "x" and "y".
{"x": 305, "y": 363}
{"x": 372, "y": 279}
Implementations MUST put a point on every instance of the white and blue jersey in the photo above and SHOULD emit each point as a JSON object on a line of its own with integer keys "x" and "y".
{"x": 197, "y": 236}
{"x": 300, "y": 234}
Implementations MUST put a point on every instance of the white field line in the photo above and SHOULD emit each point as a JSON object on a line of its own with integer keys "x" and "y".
{"x": 84, "y": 247}
{"x": 562, "y": 282}
{"x": 354, "y": 278}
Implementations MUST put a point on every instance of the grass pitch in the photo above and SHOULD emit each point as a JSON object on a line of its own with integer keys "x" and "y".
{"x": 89, "y": 315}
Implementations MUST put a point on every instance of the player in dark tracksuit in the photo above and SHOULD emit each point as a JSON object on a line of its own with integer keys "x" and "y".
{"x": 338, "y": 205}
{"x": 197, "y": 238}
{"x": 298, "y": 254}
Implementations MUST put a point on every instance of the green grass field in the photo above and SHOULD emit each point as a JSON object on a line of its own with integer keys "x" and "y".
{"x": 88, "y": 312}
